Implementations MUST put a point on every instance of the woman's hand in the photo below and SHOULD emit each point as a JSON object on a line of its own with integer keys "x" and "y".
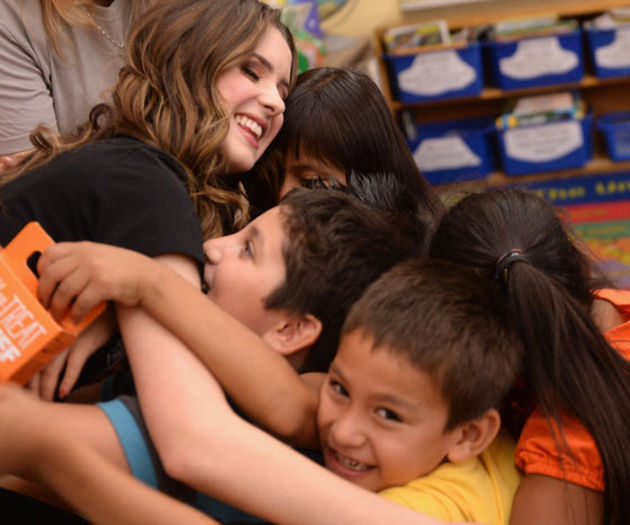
{"x": 70, "y": 361}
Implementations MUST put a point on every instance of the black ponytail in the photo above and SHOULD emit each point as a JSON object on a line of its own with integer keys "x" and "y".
{"x": 569, "y": 365}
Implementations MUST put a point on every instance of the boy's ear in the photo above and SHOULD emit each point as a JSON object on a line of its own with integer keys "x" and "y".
{"x": 294, "y": 333}
{"x": 474, "y": 436}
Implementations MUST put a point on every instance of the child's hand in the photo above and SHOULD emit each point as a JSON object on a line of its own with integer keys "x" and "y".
{"x": 80, "y": 275}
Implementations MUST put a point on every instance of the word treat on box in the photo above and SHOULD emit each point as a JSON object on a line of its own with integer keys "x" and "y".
{"x": 29, "y": 336}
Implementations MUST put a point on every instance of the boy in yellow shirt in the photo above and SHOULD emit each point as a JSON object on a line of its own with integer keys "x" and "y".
{"x": 410, "y": 404}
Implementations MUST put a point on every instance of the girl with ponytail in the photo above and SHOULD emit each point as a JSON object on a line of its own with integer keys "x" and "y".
{"x": 569, "y": 410}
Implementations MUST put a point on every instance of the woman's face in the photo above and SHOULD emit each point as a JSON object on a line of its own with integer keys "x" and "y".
{"x": 253, "y": 93}
{"x": 308, "y": 172}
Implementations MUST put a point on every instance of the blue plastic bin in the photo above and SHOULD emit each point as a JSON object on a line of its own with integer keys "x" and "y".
{"x": 435, "y": 75}
{"x": 609, "y": 50}
{"x": 555, "y": 146}
{"x": 616, "y": 130}
{"x": 455, "y": 151}
{"x": 537, "y": 61}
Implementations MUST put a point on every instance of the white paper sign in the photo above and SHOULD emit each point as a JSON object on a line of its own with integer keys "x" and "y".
{"x": 538, "y": 57}
{"x": 543, "y": 143}
{"x": 436, "y": 73}
{"x": 617, "y": 53}
{"x": 445, "y": 153}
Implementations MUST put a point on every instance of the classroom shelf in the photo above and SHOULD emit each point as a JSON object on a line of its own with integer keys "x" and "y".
{"x": 602, "y": 96}
{"x": 598, "y": 166}
{"x": 492, "y": 93}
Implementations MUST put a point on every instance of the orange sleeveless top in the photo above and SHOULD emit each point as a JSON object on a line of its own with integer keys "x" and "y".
{"x": 536, "y": 451}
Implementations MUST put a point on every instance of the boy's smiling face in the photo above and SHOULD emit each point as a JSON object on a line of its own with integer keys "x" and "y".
{"x": 381, "y": 421}
{"x": 244, "y": 268}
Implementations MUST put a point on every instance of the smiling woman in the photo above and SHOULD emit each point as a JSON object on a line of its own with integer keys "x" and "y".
{"x": 253, "y": 94}
{"x": 212, "y": 77}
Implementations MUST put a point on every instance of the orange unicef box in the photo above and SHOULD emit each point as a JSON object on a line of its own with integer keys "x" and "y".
{"x": 29, "y": 336}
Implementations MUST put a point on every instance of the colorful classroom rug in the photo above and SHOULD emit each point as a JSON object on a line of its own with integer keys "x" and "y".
{"x": 605, "y": 229}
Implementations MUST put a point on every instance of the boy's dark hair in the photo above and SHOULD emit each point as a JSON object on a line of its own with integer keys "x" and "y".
{"x": 443, "y": 320}
{"x": 336, "y": 247}
{"x": 568, "y": 363}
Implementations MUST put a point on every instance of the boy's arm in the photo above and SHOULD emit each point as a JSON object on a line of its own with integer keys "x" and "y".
{"x": 204, "y": 444}
{"x": 85, "y": 480}
{"x": 257, "y": 378}
{"x": 304, "y": 494}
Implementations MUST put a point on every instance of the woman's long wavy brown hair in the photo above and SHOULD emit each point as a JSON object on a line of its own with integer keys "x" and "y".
{"x": 166, "y": 96}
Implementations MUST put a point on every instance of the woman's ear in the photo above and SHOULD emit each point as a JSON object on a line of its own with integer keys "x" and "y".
{"x": 474, "y": 436}
{"x": 294, "y": 333}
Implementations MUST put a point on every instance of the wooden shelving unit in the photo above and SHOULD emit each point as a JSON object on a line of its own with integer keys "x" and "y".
{"x": 601, "y": 95}
{"x": 597, "y": 166}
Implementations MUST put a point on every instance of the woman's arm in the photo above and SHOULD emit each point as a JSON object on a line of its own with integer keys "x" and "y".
{"x": 256, "y": 377}
{"x": 549, "y": 501}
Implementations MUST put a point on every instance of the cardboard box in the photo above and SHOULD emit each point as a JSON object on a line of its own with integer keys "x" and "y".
{"x": 29, "y": 336}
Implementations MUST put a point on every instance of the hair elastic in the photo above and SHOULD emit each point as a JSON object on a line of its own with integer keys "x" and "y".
{"x": 506, "y": 260}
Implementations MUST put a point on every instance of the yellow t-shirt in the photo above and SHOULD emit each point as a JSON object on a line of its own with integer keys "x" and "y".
{"x": 479, "y": 489}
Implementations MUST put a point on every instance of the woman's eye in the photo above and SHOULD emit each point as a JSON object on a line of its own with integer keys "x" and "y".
{"x": 250, "y": 72}
{"x": 386, "y": 413}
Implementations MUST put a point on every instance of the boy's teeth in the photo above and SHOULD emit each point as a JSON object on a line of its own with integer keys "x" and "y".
{"x": 250, "y": 124}
{"x": 353, "y": 465}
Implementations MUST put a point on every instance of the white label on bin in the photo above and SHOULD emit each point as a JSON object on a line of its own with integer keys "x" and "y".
{"x": 617, "y": 53}
{"x": 445, "y": 153}
{"x": 538, "y": 57}
{"x": 436, "y": 73}
{"x": 543, "y": 143}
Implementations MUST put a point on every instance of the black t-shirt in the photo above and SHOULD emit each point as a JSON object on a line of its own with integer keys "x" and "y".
{"x": 117, "y": 191}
